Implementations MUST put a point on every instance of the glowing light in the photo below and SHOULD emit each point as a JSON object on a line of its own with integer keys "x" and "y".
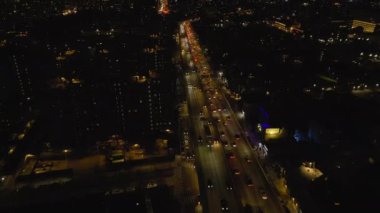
{"x": 75, "y": 81}
{"x": 164, "y": 7}
{"x": 28, "y": 156}
{"x": 69, "y": 11}
{"x": 272, "y": 131}
{"x": 21, "y": 136}
{"x": 11, "y": 150}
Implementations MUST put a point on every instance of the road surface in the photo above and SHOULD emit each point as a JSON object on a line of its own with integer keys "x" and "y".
{"x": 228, "y": 157}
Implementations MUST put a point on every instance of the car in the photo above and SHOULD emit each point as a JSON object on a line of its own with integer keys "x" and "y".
{"x": 198, "y": 199}
{"x": 230, "y": 155}
{"x": 224, "y": 205}
{"x": 237, "y": 136}
{"x": 225, "y": 144}
{"x": 236, "y": 171}
{"x": 209, "y": 184}
{"x": 215, "y": 140}
{"x": 228, "y": 186}
{"x": 263, "y": 194}
{"x": 200, "y": 139}
{"x": 247, "y": 159}
{"x": 249, "y": 182}
{"x": 210, "y": 142}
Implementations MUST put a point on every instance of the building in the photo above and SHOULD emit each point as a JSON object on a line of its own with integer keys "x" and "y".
{"x": 368, "y": 27}
{"x": 23, "y": 78}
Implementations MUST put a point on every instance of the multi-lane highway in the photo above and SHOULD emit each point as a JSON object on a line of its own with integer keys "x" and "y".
{"x": 210, "y": 155}
{"x": 232, "y": 176}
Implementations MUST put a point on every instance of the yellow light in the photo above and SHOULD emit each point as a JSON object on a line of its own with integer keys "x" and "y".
{"x": 69, "y": 52}
{"x": 272, "y": 131}
{"x": 75, "y": 81}
{"x": 60, "y": 58}
{"x": 21, "y": 136}
{"x": 29, "y": 124}
{"x": 11, "y": 150}
{"x": 28, "y": 156}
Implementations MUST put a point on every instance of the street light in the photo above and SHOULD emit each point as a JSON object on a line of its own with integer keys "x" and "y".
{"x": 65, "y": 151}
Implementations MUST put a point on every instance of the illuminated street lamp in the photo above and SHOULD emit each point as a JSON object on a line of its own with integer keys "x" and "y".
{"x": 65, "y": 151}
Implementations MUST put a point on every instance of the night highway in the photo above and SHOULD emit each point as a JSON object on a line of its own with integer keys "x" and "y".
{"x": 225, "y": 156}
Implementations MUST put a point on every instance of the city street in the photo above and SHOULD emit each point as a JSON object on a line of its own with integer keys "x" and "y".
{"x": 229, "y": 159}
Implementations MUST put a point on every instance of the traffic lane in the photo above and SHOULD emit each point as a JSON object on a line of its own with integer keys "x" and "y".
{"x": 192, "y": 42}
{"x": 204, "y": 159}
{"x": 254, "y": 171}
{"x": 211, "y": 173}
{"x": 218, "y": 161}
{"x": 251, "y": 194}
{"x": 272, "y": 204}
{"x": 209, "y": 167}
{"x": 248, "y": 195}
{"x": 197, "y": 102}
{"x": 194, "y": 105}
{"x": 206, "y": 166}
{"x": 196, "y": 99}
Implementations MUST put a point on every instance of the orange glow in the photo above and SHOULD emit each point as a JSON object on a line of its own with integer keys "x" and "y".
{"x": 164, "y": 7}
